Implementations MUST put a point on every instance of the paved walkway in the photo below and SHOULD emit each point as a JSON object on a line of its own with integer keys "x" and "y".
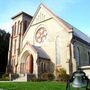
{"x": 5, "y": 81}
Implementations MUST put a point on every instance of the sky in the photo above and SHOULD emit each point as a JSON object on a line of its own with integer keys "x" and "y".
{"x": 75, "y": 12}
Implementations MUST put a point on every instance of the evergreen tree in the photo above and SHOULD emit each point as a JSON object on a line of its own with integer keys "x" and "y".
{"x": 4, "y": 46}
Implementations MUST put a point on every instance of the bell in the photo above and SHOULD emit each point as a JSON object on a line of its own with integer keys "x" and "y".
{"x": 79, "y": 80}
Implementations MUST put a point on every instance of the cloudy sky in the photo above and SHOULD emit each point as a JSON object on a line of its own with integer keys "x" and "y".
{"x": 76, "y": 12}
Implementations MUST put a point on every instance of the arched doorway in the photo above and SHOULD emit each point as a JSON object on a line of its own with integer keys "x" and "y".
{"x": 26, "y": 64}
{"x": 29, "y": 64}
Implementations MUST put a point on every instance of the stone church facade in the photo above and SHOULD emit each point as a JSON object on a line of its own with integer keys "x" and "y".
{"x": 44, "y": 42}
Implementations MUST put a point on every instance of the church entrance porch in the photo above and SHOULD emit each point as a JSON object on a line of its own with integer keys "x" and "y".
{"x": 26, "y": 66}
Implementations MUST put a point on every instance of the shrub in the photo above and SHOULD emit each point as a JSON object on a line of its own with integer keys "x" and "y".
{"x": 47, "y": 76}
{"x": 61, "y": 75}
{"x": 5, "y": 77}
{"x": 51, "y": 76}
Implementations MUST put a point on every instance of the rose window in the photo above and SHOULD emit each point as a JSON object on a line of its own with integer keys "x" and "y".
{"x": 41, "y": 35}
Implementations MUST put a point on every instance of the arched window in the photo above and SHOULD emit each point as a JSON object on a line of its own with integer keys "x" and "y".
{"x": 58, "y": 61}
{"x": 89, "y": 57}
{"x": 77, "y": 55}
{"x": 44, "y": 68}
{"x": 41, "y": 67}
{"x": 18, "y": 30}
{"x": 24, "y": 26}
{"x": 20, "y": 27}
{"x": 15, "y": 42}
{"x": 15, "y": 29}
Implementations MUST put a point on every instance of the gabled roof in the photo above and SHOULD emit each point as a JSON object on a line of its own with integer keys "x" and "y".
{"x": 65, "y": 24}
{"x": 76, "y": 32}
{"x": 41, "y": 53}
{"x": 81, "y": 35}
{"x": 53, "y": 15}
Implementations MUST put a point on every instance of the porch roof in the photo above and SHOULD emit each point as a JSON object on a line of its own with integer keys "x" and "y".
{"x": 41, "y": 53}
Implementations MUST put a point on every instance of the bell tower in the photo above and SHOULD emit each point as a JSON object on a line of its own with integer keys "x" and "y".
{"x": 20, "y": 24}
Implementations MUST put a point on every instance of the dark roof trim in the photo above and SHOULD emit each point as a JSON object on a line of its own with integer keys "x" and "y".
{"x": 44, "y": 58}
{"x": 81, "y": 40}
{"x": 21, "y": 14}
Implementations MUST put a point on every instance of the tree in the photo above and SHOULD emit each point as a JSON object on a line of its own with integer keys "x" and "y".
{"x": 4, "y": 46}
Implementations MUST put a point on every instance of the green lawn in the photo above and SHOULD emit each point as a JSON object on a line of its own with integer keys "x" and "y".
{"x": 32, "y": 86}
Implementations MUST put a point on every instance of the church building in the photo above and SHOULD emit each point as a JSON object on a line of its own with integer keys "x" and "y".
{"x": 45, "y": 42}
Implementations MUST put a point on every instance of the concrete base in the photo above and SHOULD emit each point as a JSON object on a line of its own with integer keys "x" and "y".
{"x": 21, "y": 77}
{"x": 86, "y": 69}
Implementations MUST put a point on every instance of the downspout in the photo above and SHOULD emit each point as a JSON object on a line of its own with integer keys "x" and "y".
{"x": 70, "y": 61}
{"x": 70, "y": 53}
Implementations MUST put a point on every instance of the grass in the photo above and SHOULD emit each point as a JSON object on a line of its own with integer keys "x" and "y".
{"x": 32, "y": 86}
